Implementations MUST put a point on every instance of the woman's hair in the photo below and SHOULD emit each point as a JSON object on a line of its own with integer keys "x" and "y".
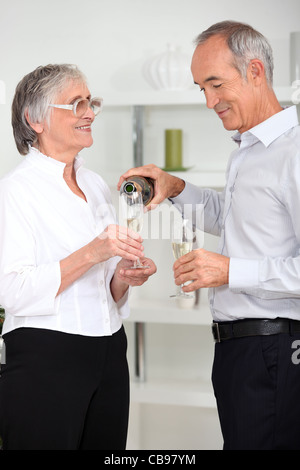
{"x": 245, "y": 43}
{"x": 33, "y": 95}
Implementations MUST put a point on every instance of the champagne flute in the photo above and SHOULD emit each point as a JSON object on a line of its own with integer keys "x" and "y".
{"x": 182, "y": 243}
{"x": 133, "y": 211}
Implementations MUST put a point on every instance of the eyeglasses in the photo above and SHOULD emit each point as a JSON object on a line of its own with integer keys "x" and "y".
{"x": 80, "y": 106}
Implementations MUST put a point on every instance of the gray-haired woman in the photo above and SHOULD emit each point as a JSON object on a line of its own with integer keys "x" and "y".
{"x": 64, "y": 277}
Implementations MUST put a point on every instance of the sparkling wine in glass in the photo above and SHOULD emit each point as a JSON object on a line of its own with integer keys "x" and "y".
{"x": 133, "y": 211}
{"x": 182, "y": 243}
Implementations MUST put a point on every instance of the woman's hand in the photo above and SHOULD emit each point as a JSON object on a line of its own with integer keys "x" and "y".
{"x": 135, "y": 277}
{"x": 165, "y": 185}
{"x": 116, "y": 241}
{"x": 125, "y": 276}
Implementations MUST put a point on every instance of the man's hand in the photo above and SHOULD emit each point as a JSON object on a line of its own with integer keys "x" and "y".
{"x": 204, "y": 268}
{"x": 165, "y": 185}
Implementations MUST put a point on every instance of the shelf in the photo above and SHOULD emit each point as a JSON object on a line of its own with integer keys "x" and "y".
{"x": 154, "y": 98}
{"x": 213, "y": 179}
{"x": 166, "y": 311}
{"x": 173, "y": 392}
{"x": 171, "y": 98}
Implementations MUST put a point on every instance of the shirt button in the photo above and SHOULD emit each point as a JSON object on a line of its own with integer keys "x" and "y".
{"x": 101, "y": 283}
{"x": 104, "y": 301}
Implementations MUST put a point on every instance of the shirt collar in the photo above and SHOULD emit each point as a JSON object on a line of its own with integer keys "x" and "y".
{"x": 49, "y": 164}
{"x": 270, "y": 129}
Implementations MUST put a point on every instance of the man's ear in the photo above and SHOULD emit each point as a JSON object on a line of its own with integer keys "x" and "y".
{"x": 256, "y": 71}
{"x": 36, "y": 126}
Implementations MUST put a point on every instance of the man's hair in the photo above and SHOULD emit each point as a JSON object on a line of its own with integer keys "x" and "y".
{"x": 33, "y": 95}
{"x": 245, "y": 43}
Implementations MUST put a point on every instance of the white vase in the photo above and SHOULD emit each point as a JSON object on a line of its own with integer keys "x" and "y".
{"x": 186, "y": 302}
{"x": 295, "y": 56}
{"x": 169, "y": 70}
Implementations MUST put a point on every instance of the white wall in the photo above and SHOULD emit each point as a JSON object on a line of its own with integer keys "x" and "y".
{"x": 110, "y": 40}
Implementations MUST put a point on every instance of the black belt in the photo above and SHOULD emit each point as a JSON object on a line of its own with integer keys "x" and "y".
{"x": 242, "y": 328}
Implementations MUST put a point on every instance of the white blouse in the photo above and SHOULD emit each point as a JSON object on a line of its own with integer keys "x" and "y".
{"x": 43, "y": 222}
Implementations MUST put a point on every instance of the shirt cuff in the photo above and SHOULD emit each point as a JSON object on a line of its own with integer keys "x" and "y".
{"x": 243, "y": 274}
{"x": 185, "y": 195}
{"x": 123, "y": 306}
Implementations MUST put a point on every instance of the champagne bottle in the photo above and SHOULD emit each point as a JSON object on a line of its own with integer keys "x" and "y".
{"x": 138, "y": 183}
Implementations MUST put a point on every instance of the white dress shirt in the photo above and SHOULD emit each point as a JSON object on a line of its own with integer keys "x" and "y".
{"x": 43, "y": 222}
{"x": 257, "y": 217}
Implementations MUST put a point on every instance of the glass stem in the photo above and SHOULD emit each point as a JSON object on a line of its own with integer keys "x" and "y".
{"x": 137, "y": 263}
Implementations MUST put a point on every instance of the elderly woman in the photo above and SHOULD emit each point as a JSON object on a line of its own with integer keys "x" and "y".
{"x": 64, "y": 277}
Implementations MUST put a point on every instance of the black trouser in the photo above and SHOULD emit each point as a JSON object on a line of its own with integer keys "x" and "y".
{"x": 257, "y": 387}
{"x": 64, "y": 392}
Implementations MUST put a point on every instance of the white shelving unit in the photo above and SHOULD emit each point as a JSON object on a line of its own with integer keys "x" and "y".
{"x": 174, "y": 392}
{"x": 166, "y": 312}
{"x": 169, "y": 391}
{"x": 140, "y": 103}
{"x": 166, "y": 98}
{"x": 156, "y": 315}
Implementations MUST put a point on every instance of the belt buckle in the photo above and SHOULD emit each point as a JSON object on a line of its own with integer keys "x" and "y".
{"x": 216, "y": 332}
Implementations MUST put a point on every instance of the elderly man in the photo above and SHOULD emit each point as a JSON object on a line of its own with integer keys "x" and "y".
{"x": 255, "y": 276}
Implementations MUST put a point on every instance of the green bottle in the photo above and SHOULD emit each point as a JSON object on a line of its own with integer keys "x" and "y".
{"x": 138, "y": 183}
